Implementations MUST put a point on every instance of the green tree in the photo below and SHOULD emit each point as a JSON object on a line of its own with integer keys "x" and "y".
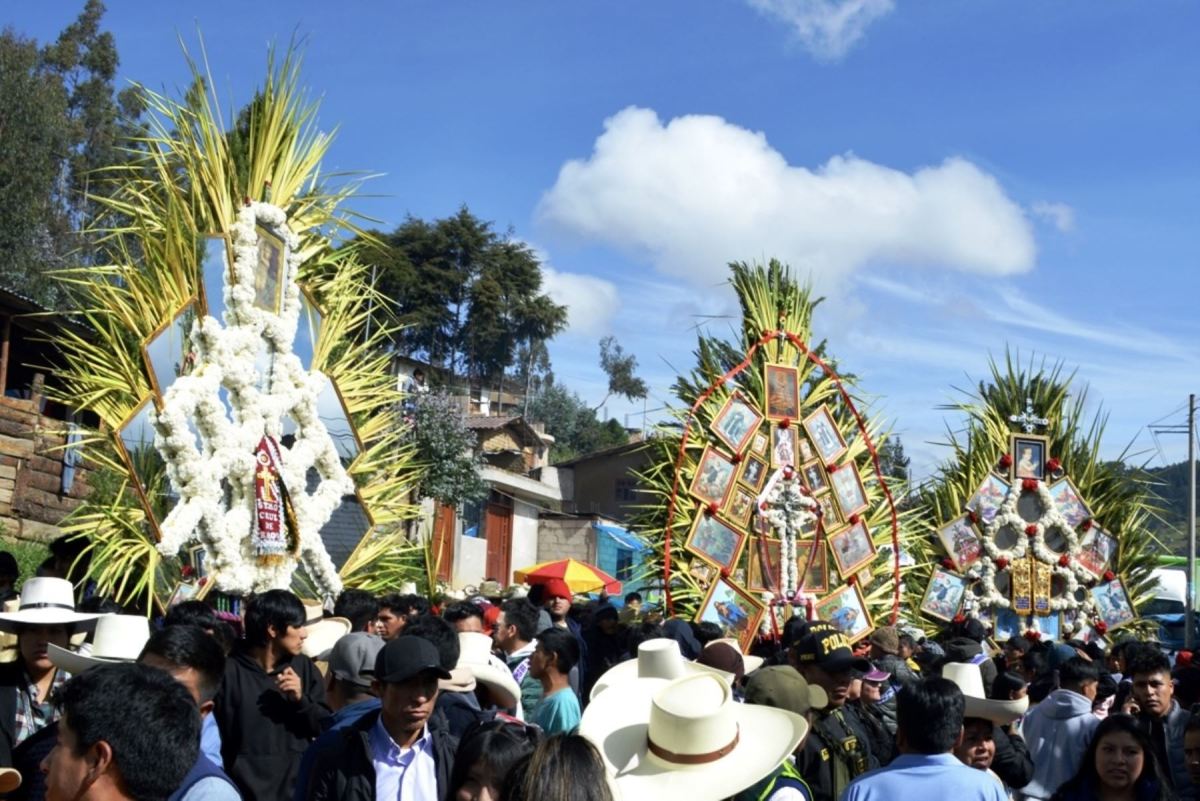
{"x": 619, "y": 366}
{"x": 573, "y": 424}
{"x": 468, "y": 299}
{"x": 61, "y": 124}
{"x": 445, "y": 446}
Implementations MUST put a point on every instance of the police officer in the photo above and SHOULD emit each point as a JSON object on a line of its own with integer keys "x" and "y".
{"x": 837, "y": 749}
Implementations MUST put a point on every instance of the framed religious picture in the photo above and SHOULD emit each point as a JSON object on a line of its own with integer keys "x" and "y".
{"x": 808, "y": 529}
{"x": 825, "y": 436}
{"x": 184, "y": 591}
{"x": 944, "y": 594}
{"x": 848, "y": 489}
{"x": 783, "y": 446}
{"x": 714, "y": 476}
{"x": 1069, "y": 503}
{"x": 1049, "y": 626}
{"x": 736, "y": 423}
{"x": 270, "y": 271}
{"x": 765, "y": 565}
{"x": 753, "y": 473}
{"x": 988, "y": 499}
{"x": 812, "y": 566}
{"x": 852, "y": 548}
{"x": 739, "y": 507}
{"x": 783, "y": 391}
{"x": 1112, "y": 603}
{"x": 734, "y": 610}
{"x": 813, "y": 475}
{"x": 760, "y": 443}
{"x": 1029, "y": 456}
{"x": 962, "y": 542}
{"x": 702, "y": 571}
{"x": 830, "y": 517}
{"x": 1096, "y": 550}
{"x": 715, "y": 541}
{"x": 845, "y": 608}
{"x": 807, "y": 454}
{"x": 197, "y": 555}
{"x": 1007, "y": 625}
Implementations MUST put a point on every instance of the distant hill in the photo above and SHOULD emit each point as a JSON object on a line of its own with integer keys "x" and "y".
{"x": 1171, "y": 488}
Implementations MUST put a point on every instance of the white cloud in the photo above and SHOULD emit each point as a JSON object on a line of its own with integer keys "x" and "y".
{"x": 826, "y": 28}
{"x": 1060, "y": 215}
{"x": 591, "y": 302}
{"x": 698, "y": 192}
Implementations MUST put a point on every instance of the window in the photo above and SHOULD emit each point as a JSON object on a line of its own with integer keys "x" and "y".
{"x": 624, "y": 564}
{"x": 472, "y": 519}
{"x": 626, "y": 487}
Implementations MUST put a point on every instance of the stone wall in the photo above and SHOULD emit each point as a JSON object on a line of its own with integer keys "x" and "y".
{"x": 566, "y": 538}
{"x": 32, "y": 503}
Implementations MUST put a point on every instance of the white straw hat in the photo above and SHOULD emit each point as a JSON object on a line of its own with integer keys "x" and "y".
{"x": 659, "y": 658}
{"x": 119, "y": 638}
{"x": 46, "y": 602}
{"x": 970, "y": 681}
{"x": 688, "y": 738}
{"x": 475, "y": 655}
{"x": 323, "y": 632}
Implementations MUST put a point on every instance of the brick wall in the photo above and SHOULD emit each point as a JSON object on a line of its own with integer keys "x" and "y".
{"x": 568, "y": 538}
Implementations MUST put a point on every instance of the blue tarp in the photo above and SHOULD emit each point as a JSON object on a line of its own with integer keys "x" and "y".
{"x": 622, "y": 536}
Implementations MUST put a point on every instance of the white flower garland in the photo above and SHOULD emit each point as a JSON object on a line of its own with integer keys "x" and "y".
{"x": 223, "y": 467}
{"x": 1072, "y": 575}
{"x": 787, "y": 509}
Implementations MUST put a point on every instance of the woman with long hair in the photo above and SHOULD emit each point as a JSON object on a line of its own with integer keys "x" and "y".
{"x": 1119, "y": 766}
{"x": 485, "y": 756}
{"x": 565, "y": 767}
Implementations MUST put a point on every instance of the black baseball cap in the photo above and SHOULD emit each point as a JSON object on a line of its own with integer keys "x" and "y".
{"x": 407, "y": 657}
{"x": 825, "y": 646}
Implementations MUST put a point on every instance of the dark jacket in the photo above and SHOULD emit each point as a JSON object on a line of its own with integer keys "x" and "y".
{"x": 11, "y": 677}
{"x": 344, "y": 771}
{"x": 826, "y": 742}
{"x": 879, "y": 722}
{"x": 1176, "y": 772}
{"x": 1011, "y": 762}
{"x": 902, "y": 674}
{"x": 263, "y": 734}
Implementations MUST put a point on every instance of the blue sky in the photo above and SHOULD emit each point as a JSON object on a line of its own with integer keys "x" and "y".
{"x": 955, "y": 178}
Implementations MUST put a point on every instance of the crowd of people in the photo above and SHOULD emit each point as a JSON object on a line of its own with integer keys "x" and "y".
{"x": 545, "y": 697}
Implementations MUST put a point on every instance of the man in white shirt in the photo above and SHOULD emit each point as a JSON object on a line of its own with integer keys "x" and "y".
{"x": 402, "y": 753}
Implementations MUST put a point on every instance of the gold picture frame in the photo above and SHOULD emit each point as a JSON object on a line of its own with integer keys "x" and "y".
{"x": 853, "y": 548}
{"x": 847, "y": 610}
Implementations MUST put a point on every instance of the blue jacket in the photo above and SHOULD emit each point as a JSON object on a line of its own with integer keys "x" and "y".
{"x": 1058, "y": 732}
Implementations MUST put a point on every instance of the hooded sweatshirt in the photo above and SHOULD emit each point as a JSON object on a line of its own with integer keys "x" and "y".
{"x": 1058, "y": 732}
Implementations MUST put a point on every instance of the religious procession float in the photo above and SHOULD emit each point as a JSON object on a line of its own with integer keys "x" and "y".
{"x": 239, "y": 401}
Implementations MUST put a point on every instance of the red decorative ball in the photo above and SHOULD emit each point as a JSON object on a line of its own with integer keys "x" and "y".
{"x": 1054, "y": 465}
{"x": 785, "y": 422}
{"x": 764, "y": 506}
{"x": 1006, "y": 461}
{"x": 853, "y": 520}
{"x": 972, "y": 517}
{"x": 1034, "y": 635}
{"x": 959, "y": 619}
{"x": 788, "y": 473}
{"x": 187, "y": 570}
{"x": 736, "y": 458}
{"x": 1029, "y": 485}
{"x": 711, "y": 509}
{"x": 832, "y": 468}
{"x": 1086, "y": 525}
{"x": 1001, "y": 563}
{"x": 1101, "y": 626}
{"x": 1031, "y": 529}
{"x": 1064, "y": 560}
{"x": 1109, "y": 575}
{"x": 203, "y": 580}
{"x": 725, "y": 572}
{"x": 852, "y": 580}
{"x": 947, "y": 563}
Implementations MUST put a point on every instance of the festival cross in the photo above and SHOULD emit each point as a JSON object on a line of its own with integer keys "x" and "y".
{"x": 1027, "y": 419}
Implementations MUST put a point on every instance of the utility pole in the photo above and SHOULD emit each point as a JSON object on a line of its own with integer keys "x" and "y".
{"x": 1191, "y": 571}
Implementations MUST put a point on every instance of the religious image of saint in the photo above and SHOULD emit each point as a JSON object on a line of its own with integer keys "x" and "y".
{"x": 1030, "y": 459}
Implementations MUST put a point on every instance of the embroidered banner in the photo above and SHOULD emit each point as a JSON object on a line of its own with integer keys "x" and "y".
{"x": 269, "y": 537}
{"x": 1022, "y": 589}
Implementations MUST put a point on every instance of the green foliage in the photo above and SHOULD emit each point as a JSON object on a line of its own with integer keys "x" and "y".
{"x": 29, "y": 556}
{"x": 619, "y": 366}
{"x": 61, "y": 122}
{"x": 443, "y": 445}
{"x": 466, "y": 297}
{"x": 573, "y": 423}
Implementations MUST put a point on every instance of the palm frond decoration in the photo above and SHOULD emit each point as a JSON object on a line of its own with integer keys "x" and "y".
{"x": 979, "y": 450}
{"x": 189, "y": 176}
{"x": 777, "y": 314}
